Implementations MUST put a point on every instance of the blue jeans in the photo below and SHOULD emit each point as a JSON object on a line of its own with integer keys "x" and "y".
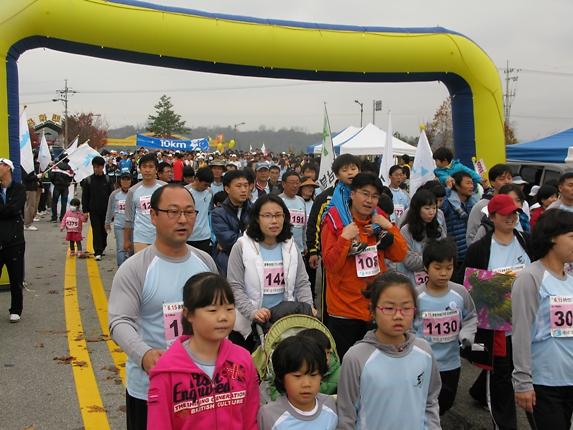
{"x": 120, "y": 254}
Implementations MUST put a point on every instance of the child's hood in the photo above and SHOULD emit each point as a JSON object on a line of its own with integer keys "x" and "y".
{"x": 177, "y": 359}
{"x": 391, "y": 350}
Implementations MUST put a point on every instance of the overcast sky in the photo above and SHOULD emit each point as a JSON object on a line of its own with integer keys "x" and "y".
{"x": 536, "y": 37}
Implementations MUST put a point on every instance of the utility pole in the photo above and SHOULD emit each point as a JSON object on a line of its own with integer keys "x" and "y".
{"x": 510, "y": 78}
{"x": 64, "y": 95}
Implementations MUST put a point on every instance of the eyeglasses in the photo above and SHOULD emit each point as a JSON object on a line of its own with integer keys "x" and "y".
{"x": 369, "y": 196}
{"x": 268, "y": 217}
{"x": 392, "y": 310}
{"x": 176, "y": 213}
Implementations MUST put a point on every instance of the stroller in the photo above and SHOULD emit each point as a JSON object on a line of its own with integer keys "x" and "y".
{"x": 284, "y": 327}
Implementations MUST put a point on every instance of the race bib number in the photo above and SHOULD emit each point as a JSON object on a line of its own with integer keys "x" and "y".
{"x": 561, "y": 316}
{"x": 398, "y": 211}
{"x": 145, "y": 204}
{"x": 297, "y": 217}
{"x": 420, "y": 278}
{"x": 367, "y": 262}
{"x": 72, "y": 223}
{"x": 441, "y": 326}
{"x": 172, "y": 326}
{"x": 273, "y": 277}
{"x": 121, "y": 206}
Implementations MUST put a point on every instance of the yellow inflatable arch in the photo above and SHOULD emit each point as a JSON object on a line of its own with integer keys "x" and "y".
{"x": 138, "y": 32}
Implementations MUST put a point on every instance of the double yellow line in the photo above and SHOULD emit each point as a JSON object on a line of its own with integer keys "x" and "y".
{"x": 93, "y": 412}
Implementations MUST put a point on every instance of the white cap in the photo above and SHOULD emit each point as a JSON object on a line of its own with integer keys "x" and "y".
{"x": 534, "y": 190}
{"x": 8, "y": 163}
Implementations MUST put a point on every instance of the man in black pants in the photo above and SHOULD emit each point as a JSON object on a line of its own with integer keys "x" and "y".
{"x": 96, "y": 190}
{"x": 12, "y": 243}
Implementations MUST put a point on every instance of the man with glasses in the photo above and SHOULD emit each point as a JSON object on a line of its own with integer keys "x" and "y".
{"x": 353, "y": 255}
{"x": 230, "y": 220}
{"x": 296, "y": 207}
{"x": 146, "y": 296}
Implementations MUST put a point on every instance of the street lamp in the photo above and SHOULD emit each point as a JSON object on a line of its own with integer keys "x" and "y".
{"x": 235, "y": 130}
{"x": 361, "y": 111}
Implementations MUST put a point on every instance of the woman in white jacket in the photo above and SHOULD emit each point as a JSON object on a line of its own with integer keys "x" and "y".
{"x": 265, "y": 267}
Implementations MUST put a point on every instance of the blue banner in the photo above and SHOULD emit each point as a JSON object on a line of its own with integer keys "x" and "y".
{"x": 173, "y": 144}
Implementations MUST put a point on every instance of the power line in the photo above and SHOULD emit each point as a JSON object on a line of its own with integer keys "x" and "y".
{"x": 510, "y": 79}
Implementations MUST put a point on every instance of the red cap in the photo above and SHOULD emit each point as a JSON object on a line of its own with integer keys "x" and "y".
{"x": 502, "y": 204}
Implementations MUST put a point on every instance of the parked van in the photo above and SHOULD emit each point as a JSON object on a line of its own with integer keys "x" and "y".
{"x": 536, "y": 173}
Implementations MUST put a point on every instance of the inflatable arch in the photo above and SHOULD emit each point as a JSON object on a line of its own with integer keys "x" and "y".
{"x": 138, "y": 32}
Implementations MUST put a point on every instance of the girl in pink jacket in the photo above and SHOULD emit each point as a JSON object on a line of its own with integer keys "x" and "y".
{"x": 203, "y": 381}
{"x": 72, "y": 222}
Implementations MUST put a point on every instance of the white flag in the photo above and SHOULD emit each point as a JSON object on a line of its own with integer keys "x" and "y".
{"x": 326, "y": 176}
{"x": 81, "y": 161}
{"x": 26, "y": 154}
{"x": 388, "y": 156}
{"x": 263, "y": 149}
{"x": 424, "y": 164}
{"x": 44, "y": 156}
{"x": 72, "y": 147}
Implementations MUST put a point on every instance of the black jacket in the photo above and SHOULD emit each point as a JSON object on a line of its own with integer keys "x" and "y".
{"x": 11, "y": 220}
{"x": 315, "y": 219}
{"x": 61, "y": 175}
{"x": 96, "y": 190}
{"x": 478, "y": 253}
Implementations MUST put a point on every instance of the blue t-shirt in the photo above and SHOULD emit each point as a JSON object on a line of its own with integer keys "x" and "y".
{"x": 446, "y": 353}
{"x": 119, "y": 209}
{"x": 273, "y": 277}
{"x": 504, "y": 256}
{"x": 401, "y": 202}
{"x": 157, "y": 292}
{"x": 551, "y": 354}
{"x": 143, "y": 229}
{"x": 202, "y": 227}
{"x": 215, "y": 188}
{"x": 297, "y": 211}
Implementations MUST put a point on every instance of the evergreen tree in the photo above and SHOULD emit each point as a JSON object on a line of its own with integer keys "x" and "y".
{"x": 165, "y": 122}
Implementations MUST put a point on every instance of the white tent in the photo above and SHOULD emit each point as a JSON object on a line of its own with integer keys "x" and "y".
{"x": 339, "y": 139}
{"x": 371, "y": 140}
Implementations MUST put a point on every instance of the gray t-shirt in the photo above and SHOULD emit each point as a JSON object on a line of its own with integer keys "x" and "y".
{"x": 141, "y": 287}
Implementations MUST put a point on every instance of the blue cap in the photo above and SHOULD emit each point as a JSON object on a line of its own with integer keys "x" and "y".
{"x": 262, "y": 165}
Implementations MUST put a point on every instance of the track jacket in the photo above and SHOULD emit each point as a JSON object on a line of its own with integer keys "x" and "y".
{"x": 389, "y": 387}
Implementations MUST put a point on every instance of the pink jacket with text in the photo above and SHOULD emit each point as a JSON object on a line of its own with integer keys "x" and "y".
{"x": 182, "y": 396}
{"x": 73, "y": 221}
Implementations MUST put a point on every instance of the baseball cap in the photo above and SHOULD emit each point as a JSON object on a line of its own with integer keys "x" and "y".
{"x": 534, "y": 190}
{"x": 125, "y": 174}
{"x": 7, "y": 163}
{"x": 262, "y": 165}
{"x": 502, "y": 204}
{"x": 518, "y": 180}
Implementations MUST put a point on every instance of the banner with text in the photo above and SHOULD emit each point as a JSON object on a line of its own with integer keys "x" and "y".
{"x": 172, "y": 144}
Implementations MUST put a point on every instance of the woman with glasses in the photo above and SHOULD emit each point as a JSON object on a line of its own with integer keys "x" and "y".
{"x": 265, "y": 267}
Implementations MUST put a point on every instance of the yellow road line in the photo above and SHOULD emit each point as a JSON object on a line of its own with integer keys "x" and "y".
{"x": 100, "y": 303}
{"x": 93, "y": 413}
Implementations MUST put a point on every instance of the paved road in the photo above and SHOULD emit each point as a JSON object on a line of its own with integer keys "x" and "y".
{"x": 58, "y": 370}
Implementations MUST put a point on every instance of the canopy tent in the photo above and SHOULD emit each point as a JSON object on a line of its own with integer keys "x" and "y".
{"x": 371, "y": 140}
{"x": 557, "y": 148}
{"x": 337, "y": 140}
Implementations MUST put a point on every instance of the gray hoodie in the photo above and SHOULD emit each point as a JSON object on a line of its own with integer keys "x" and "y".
{"x": 389, "y": 386}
